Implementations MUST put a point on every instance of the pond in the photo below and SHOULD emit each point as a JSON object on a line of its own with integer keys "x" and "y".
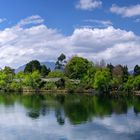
{"x": 71, "y": 117}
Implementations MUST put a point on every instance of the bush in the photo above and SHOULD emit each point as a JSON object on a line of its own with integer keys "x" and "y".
{"x": 50, "y": 86}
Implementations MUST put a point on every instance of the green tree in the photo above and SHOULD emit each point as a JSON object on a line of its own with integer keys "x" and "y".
{"x": 110, "y": 67}
{"x": 44, "y": 71}
{"x": 10, "y": 74}
{"x": 102, "y": 80}
{"x": 77, "y": 67}
{"x": 33, "y": 80}
{"x": 55, "y": 74}
{"x": 32, "y": 66}
{"x": 3, "y": 80}
{"x": 129, "y": 85}
{"x": 136, "y": 70}
{"x": 88, "y": 78}
{"x": 137, "y": 82}
{"x": 125, "y": 73}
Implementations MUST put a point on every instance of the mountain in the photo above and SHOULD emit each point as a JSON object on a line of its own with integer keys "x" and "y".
{"x": 50, "y": 65}
{"x": 131, "y": 72}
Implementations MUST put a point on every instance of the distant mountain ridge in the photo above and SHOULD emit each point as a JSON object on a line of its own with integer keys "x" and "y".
{"x": 50, "y": 65}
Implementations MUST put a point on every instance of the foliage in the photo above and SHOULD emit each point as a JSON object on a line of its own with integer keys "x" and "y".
{"x": 32, "y": 66}
{"x": 136, "y": 70}
{"x": 44, "y": 71}
{"x": 88, "y": 78}
{"x": 137, "y": 83}
{"x": 50, "y": 86}
{"x": 55, "y": 73}
{"x": 129, "y": 85}
{"x": 33, "y": 80}
{"x": 77, "y": 67}
{"x": 102, "y": 80}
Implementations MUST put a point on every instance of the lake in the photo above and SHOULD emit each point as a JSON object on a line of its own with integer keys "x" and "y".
{"x": 71, "y": 117}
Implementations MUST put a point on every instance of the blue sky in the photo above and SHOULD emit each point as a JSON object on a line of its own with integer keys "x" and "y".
{"x": 69, "y": 22}
{"x": 63, "y": 15}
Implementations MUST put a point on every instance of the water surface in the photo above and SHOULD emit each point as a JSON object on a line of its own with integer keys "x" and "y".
{"x": 72, "y": 117}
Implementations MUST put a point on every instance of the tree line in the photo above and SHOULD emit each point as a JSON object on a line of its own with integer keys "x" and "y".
{"x": 102, "y": 77}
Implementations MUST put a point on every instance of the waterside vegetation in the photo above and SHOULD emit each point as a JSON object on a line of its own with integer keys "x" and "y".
{"x": 75, "y": 75}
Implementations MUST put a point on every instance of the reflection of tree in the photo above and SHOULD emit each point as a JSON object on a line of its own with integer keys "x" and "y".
{"x": 33, "y": 114}
{"x": 78, "y": 109}
{"x": 85, "y": 108}
{"x": 137, "y": 105}
{"x": 60, "y": 117}
{"x": 8, "y": 99}
{"x": 119, "y": 106}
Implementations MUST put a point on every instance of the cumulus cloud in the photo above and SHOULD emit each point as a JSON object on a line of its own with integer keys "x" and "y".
{"x": 88, "y": 4}
{"x": 126, "y": 11}
{"x": 20, "y": 44}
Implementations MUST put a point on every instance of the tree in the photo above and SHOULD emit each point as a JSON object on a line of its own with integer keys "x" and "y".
{"x": 102, "y": 80}
{"x": 110, "y": 67}
{"x": 33, "y": 80}
{"x": 137, "y": 82}
{"x": 88, "y": 78}
{"x": 44, "y": 71}
{"x": 32, "y": 66}
{"x": 9, "y": 72}
{"x": 3, "y": 80}
{"x": 129, "y": 85}
{"x": 61, "y": 61}
{"x": 136, "y": 70}
{"x": 77, "y": 67}
{"x": 118, "y": 73}
{"x": 56, "y": 74}
{"x": 125, "y": 73}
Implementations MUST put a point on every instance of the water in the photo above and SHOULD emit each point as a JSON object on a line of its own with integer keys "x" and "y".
{"x": 73, "y": 117}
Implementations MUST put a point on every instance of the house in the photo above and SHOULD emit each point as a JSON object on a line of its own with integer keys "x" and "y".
{"x": 60, "y": 82}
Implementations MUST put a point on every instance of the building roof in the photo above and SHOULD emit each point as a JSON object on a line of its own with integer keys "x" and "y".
{"x": 50, "y": 79}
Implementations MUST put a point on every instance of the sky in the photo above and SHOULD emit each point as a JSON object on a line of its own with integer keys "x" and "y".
{"x": 94, "y": 29}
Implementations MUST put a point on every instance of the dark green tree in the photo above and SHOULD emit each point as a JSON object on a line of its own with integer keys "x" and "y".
{"x": 110, "y": 68}
{"x": 44, "y": 71}
{"x": 136, "y": 70}
{"x": 32, "y": 66}
{"x": 125, "y": 73}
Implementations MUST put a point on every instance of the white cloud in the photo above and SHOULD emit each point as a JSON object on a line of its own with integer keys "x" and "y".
{"x": 126, "y": 11}
{"x": 88, "y": 4}
{"x": 35, "y": 19}
{"x": 19, "y": 45}
{"x": 99, "y": 23}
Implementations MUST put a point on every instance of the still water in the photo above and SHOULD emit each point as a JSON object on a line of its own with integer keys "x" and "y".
{"x": 72, "y": 117}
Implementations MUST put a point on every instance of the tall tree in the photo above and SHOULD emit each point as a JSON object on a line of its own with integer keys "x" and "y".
{"x": 61, "y": 61}
{"x": 110, "y": 68}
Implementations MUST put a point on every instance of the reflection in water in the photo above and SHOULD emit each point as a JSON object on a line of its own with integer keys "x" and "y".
{"x": 69, "y": 117}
